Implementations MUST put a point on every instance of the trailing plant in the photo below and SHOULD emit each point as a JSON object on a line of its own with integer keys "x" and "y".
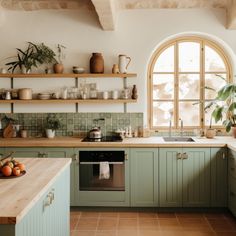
{"x": 52, "y": 122}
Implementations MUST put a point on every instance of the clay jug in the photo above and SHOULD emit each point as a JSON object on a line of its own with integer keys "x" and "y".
{"x": 96, "y": 63}
{"x": 58, "y": 68}
{"x": 134, "y": 92}
{"x": 124, "y": 63}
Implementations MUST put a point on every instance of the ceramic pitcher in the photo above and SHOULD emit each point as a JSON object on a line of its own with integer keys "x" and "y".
{"x": 124, "y": 63}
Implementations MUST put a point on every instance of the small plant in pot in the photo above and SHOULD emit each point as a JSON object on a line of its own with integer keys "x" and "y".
{"x": 224, "y": 106}
{"x": 58, "y": 66}
{"x": 210, "y": 132}
{"x": 52, "y": 124}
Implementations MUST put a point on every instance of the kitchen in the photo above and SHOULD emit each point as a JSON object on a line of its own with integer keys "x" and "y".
{"x": 155, "y": 193}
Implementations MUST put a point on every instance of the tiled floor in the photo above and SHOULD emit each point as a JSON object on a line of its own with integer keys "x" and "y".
{"x": 84, "y": 223}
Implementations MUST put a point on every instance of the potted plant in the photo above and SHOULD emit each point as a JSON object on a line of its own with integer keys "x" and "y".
{"x": 43, "y": 54}
{"x": 58, "y": 66}
{"x": 210, "y": 132}
{"x": 24, "y": 60}
{"x": 34, "y": 54}
{"x": 52, "y": 124}
{"x": 224, "y": 106}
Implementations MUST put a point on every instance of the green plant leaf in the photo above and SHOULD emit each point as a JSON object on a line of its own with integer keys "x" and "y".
{"x": 217, "y": 113}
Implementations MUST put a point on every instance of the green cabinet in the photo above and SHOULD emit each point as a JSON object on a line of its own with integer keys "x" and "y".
{"x": 184, "y": 177}
{"x": 232, "y": 182}
{"x": 219, "y": 177}
{"x": 50, "y": 214}
{"x": 144, "y": 177}
{"x": 25, "y": 152}
{"x": 101, "y": 197}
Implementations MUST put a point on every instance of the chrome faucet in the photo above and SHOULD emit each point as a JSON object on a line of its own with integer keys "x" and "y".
{"x": 181, "y": 127}
{"x": 170, "y": 127}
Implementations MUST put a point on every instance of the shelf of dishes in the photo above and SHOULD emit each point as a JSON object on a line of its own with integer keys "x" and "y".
{"x": 68, "y": 101}
{"x": 69, "y": 75}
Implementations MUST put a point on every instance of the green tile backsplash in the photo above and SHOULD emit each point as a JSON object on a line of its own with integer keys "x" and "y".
{"x": 74, "y": 124}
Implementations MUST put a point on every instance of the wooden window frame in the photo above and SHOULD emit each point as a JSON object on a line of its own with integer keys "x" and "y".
{"x": 203, "y": 42}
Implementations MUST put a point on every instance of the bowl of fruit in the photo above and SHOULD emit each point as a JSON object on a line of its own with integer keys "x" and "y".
{"x": 11, "y": 168}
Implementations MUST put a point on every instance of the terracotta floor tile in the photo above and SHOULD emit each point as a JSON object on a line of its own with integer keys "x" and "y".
{"x": 128, "y": 224}
{"x": 106, "y": 233}
{"x": 107, "y": 224}
{"x": 83, "y": 233}
{"x": 194, "y": 223}
{"x": 198, "y": 233}
{"x": 149, "y": 233}
{"x": 109, "y": 214}
{"x": 73, "y": 222}
{"x": 127, "y": 233}
{"x": 171, "y": 233}
{"x": 129, "y": 215}
{"x": 166, "y": 215}
{"x": 87, "y": 224}
{"x": 189, "y": 215}
{"x": 225, "y": 233}
{"x": 214, "y": 215}
{"x": 88, "y": 214}
{"x": 170, "y": 224}
{"x": 221, "y": 225}
{"x": 74, "y": 212}
{"x": 148, "y": 223}
{"x": 147, "y": 215}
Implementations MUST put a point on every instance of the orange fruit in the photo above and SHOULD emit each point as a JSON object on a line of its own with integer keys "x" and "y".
{"x": 21, "y": 166}
{"x": 16, "y": 171}
{"x": 6, "y": 170}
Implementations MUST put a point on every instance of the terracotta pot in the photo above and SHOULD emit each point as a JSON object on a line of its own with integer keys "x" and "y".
{"x": 210, "y": 133}
{"x": 233, "y": 128}
{"x": 96, "y": 63}
{"x": 58, "y": 68}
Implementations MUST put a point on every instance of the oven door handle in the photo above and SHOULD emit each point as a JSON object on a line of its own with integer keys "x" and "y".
{"x": 97, "y": 163}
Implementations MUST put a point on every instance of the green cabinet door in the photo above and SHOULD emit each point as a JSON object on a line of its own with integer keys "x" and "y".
{"x": 184, "y": 177}
{"x": 58, "y": 152}
{"x": 219, "y": 177}
{"x": 232, "y": 181}
{"x": 170, "y": 180}
{"x": 25, "y": 152}
{"x": 196, "y": 177}
{"x": 144, "y": 177}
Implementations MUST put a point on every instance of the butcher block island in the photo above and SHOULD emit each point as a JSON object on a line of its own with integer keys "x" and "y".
{"x": 37, "y": 203}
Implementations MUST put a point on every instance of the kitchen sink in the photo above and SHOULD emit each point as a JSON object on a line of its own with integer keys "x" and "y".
{"x": 178, "y": 139}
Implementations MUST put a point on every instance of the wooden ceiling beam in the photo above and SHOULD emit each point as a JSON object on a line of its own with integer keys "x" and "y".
{"x": 231, "y": 14}
{"x": 107, "y": 11}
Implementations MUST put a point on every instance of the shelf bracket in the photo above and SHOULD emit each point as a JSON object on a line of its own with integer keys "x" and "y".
{"x": 76, "y": 104}
{"x": 12, "y": 86}
{"x": 125, "y": 86}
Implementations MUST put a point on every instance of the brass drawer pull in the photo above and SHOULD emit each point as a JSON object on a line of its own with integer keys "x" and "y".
{"x": 179, "y": 155}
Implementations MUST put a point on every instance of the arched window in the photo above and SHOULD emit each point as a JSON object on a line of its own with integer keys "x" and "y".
{"x": 178, "y": 74}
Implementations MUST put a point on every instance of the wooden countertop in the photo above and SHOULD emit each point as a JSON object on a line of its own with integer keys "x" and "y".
{"x": 127, "y": 142}
{"x": 18, "y": 195}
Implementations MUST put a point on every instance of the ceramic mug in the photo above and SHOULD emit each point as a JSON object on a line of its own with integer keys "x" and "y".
{"x": 115, "y": 94}
{"x": 105, "y": 95}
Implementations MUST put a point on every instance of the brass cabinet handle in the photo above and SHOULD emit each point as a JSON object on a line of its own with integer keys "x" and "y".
{"x": 184, "y": 155}
{"x": 179, "y": 156}
{"x": 223, "y": 155}
{"x": 126, "y": 157}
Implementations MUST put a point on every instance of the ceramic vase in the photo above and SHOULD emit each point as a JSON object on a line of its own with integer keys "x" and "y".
{"x": 50, "y": 133}
{"x": 24, "y": 70}
{"x": 134, "y": 92}
{"x": 124, "y": 63}
{"x": 233, "y": 128}
{"x": 210, "y": 133}
{"x": 96, "y": 63}
{"x": 58, "y": 68}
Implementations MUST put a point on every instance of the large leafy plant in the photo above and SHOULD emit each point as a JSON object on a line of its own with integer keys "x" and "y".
{"x": 52, "y": 122}
{"x": 224, "y": 105}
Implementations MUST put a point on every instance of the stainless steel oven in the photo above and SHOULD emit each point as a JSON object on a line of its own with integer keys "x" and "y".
{"x": 90, "y": 170}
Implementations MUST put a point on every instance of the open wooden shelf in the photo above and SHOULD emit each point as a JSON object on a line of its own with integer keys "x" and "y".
{"x": 70, "y": 75}
{"x": 80, "y": 101}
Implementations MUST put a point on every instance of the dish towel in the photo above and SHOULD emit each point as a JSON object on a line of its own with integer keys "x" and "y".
{"x": 104, "y": 170}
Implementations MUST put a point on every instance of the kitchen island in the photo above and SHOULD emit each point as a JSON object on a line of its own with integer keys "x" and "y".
{"x": 37, "y": 203}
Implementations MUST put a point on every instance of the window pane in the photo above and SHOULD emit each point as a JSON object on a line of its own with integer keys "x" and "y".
{"x": 189, "y": 113}
{"x": 165, "y": 62}
{"x": 162, "y": 113}
{"x": 189, "y": 57}
{"x": 213, "y": 61}
{"x": 189, "y": 86}
{"x": 214, "y": 82}
{"x": 163, "y": 86}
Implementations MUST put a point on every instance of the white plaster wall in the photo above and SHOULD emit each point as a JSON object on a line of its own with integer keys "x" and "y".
{"x": 137, "y": 34}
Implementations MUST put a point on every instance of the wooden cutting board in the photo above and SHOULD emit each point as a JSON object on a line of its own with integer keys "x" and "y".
{"x": 8, "y": 131}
